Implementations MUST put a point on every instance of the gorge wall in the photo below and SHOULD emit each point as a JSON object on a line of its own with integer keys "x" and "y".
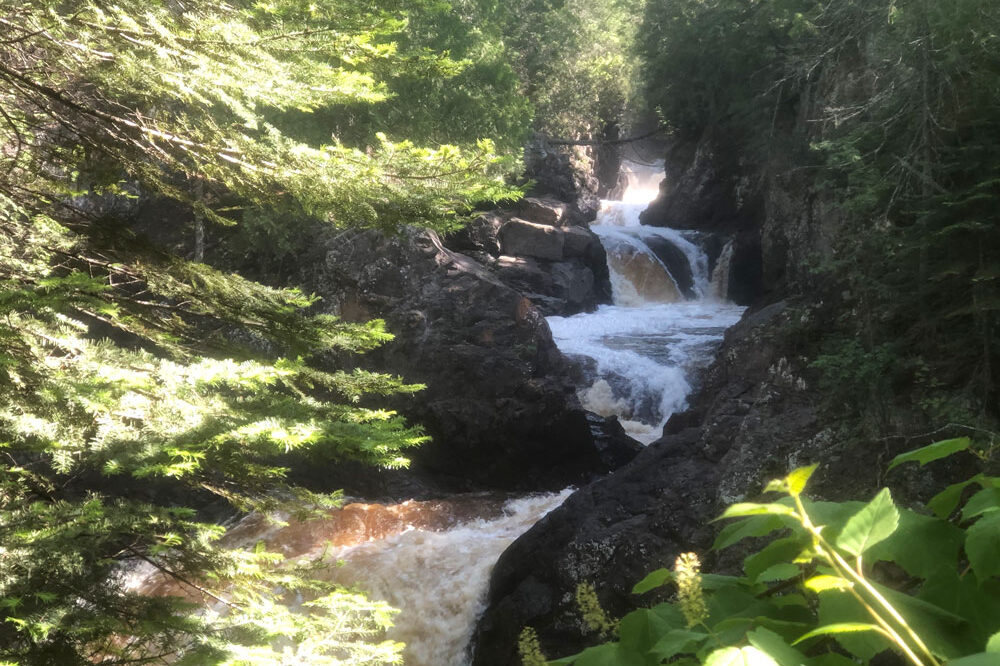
{"x": 759, "y": 413}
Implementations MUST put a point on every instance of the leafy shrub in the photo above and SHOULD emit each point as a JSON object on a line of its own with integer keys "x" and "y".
{"x": 819, "y": 593}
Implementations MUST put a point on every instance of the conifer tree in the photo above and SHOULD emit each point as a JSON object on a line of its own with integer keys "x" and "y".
{"x": 133, "y": 382}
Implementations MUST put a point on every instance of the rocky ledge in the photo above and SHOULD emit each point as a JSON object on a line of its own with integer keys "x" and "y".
{"x": 499, "y": 402}
{"x": 541, "y": 249}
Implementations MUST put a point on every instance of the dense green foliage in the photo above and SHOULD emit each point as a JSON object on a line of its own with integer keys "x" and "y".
{"x": 135, "y": 385}
{"x": 836, "y": 584}
{"x": 886, "y": 110}
{"x": 576, "y": 60}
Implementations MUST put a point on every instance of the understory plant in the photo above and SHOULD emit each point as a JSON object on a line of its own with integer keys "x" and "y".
{"x": 837, "y": 584}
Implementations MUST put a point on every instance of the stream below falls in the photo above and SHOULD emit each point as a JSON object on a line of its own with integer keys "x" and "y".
{"x": 432, "y": 559}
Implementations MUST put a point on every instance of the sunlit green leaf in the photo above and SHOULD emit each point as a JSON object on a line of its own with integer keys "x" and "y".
{"x": 874, "y": 523}
{"x": 746, "y": 656}
{"x": 932, "y": 452}
{"x": 839, "y": 628}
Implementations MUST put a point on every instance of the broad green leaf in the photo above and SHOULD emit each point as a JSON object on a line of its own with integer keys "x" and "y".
{"x": 980, "y": 659}
{"x": 793, "y": 599}
{"x": 640, "y": 629}
{"x": 826, "y": 583}
{"x": 993, "y": 644}
{"x": 719, "y": 582}
{"x": 877, "y": 521}
{"x": 839, "y": 608}
{"x": 776, "y": 486}
{"x": 944, "y": 632}
{"x": 670, "y": 614}
{"x": 678, "y": 641}
{"x": 778, "y": 572}
{"x": 798, "y": 479}
{"x": 775, "y": 646}
{"x": 986, "y": 500}
{"x": 755, "y": 526}
{"x": 752, "y": 509}
{"x": 610, "y": 654}
{"x": 932, "y": 452}
{"x": 978, "y": 604}
{"x": 745, "y": 656}
{"x": 982, "y": 545}
{"x": 777, "y": 552}
{"x": 652, "y": 581}
{"x": 920, "y": 544}
{"x": 947, "y": 500}
{"x": 839, "y": 628}
{"x": 831, "y": 659}
{"x": 734, "y": 602}
{"x": 788, "y": 630}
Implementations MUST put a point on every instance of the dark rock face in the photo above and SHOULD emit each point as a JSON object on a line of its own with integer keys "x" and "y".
{"x": 566, "y": 174}
{"x": 498, "y": 401}
{"x": 676, "y": 262}
{"x": 521, "y": 238}
{"x": 706, "y": 188}
{"x": 746, "y": 269}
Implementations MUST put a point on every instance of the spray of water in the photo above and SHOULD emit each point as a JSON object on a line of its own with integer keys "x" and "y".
{"x": 645, "y": 346}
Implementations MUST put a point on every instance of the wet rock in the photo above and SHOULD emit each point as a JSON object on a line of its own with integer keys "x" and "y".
{"x": 481, "y": 236}
{"x": 744, "y": 427}
{"x": 526, "y": 239}
{"x": 543, "y": 210}
{"x": 581, "y": 243}
{"x": 676, "y": 262}
{"x": 556, "y": 288}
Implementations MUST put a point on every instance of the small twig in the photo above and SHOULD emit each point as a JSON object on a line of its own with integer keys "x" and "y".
{"x": 181, "y": 579}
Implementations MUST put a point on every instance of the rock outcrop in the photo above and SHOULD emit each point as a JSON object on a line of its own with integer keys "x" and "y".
{"x": 498, "y": 403}
{"x": 539, "y": 249}
{"x": 707, "y": 188}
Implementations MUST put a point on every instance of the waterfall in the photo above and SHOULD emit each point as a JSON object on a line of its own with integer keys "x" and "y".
{"x": 432, "y": 560}
{"x": 720, "y": 274}
{"x": 667, "y": 318}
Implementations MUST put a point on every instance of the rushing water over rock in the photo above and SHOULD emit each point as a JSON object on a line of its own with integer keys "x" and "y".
{"x": 431, "y": 560}
{"x": 667, "y": 319}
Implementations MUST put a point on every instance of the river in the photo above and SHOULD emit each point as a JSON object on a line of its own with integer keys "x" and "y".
{"x": 432, "y": 559}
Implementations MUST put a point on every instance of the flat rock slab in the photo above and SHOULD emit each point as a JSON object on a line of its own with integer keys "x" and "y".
{"x": 527, "y": 239}
{"x": 544, "y": 210}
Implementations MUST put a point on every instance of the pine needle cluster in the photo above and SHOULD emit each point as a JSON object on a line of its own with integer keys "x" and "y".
{"x": 137, "y": 386}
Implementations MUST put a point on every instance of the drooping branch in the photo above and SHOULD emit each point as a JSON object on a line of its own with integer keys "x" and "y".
{"x": 604, "y": 142}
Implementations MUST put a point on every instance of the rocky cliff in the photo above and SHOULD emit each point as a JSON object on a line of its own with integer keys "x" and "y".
{"x": 499, "y": 402}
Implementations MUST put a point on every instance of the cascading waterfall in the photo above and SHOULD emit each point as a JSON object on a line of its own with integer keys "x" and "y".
{"x": 667, "y": 319}
{"x": 432, "y": 560}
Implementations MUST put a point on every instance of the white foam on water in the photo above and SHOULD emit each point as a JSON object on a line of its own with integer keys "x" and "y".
{"x": 644, "y": 348}
{"x": 438, "y": 579}
{"x": 643, "y": 356}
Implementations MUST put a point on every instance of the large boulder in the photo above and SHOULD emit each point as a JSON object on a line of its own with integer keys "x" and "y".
{"x": 499, "y": 403}
{"x": 544, "y": 210}
{"x": 526, "y": 239}
{"x": 561, "y": 268}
